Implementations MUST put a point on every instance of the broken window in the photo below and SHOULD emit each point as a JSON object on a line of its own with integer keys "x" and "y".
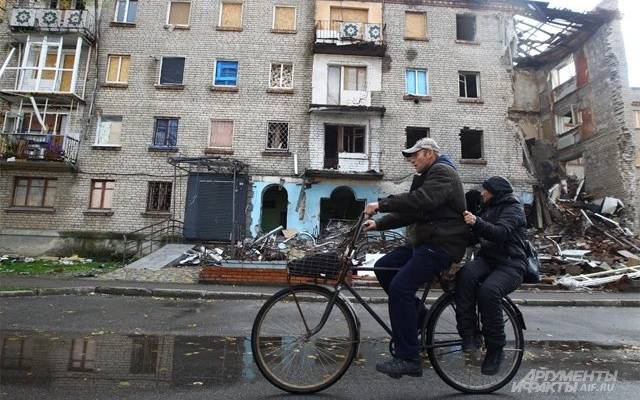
{"x": 415, "y": 25}
{"x": 118, "y": 69}
{"x": 166, "y": 132}
{"x": 469, "y": 84}
{"x": 226, "y": 73}
{"x": 159, "y": 197}
{"x": 274, "y": 208}
{"x": 355, "y": 78}
{"x": 101, "y": 194}
{"x": 342, "y": 139}
{"x": 221, "y": 133}
{"x": 230, "y": 15}
{"x": 179, "y": 13}
{"x": 414, "y": 134}
{"x": 34, "y": 192}
{"x": 144, "y": 354}
{"x": 353, "y": 139}
{"x": 466, "y": 27}
{"x": 109, "y": 130}
{"x": 55, "y": 123}
{"x": 126, "y": 11}
{"x": 278, "y": 135}
{"x": 284, "y": 18}
{"x": 83, "y": 355}
{"x": 281, "y": 76}
{"x": 16, "y": 353}
{"x": 417, "y": 82}
{"x": 563, "y": 72}
{"x": 568, "y": 121}
{"x": 575, "y": 168}
{"x": 172, "y": 71}
{"x": 471, "y": 144}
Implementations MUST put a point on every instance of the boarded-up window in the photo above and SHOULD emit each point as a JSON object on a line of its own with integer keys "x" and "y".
{"x": 231, "y": 15}
{"x": 109, "y": 130}
{"x": 415, "y": 25}
{"x": 118, "y": 69}
{"x": 355, "y": 78}
{"x": 221, "y": 133}
{"x": 179, "y": 13}
{"x": 349, "y": 14}
{"x": 284, "y": 18}
{"x": 333, "y": 85}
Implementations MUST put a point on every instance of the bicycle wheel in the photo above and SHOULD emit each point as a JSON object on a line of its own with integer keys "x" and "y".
{"x": 284, "y": 352}
{"x": 462, "y": 371}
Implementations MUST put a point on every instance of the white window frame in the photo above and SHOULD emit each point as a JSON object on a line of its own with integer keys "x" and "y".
{"x": 281, "y": 67}
{"x": 169, "y": 12}
{"x": 109, "y": 56}
{"x": 295, "y": 15}
{"x": 554, "y": 74}
{"x": 96, "y": 143}
{"x": 160, "y": 70}
{"x": 233, "y": 133}
{"x": 126, "y": 12}
{"x": 477, "y": 74}
{"x": 576, "y": 116}
{"x": 222, "y": 3}
{"x": 415, "y": 70}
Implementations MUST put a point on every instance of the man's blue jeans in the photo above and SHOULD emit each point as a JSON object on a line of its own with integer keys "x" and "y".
{"x": 412, "y": 268}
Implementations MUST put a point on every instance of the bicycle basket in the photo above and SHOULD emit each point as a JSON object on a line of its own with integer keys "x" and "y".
{"x": 319, "y": 265}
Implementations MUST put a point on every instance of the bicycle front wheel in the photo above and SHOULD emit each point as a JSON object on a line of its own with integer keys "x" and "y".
{"x": 285, "y": 352}
{"x": 462, "y": 371}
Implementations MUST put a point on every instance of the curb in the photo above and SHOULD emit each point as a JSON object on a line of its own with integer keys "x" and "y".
{"x": 213, "y": 295}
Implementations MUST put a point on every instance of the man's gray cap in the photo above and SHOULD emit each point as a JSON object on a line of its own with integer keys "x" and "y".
{"x": 424, "y": 143}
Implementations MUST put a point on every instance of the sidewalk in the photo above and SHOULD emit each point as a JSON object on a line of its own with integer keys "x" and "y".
{"x": 34, "y": 286}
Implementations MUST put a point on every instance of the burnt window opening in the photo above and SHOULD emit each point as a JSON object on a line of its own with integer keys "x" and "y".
{"x": 414, "y": 134}
{"x": 159, "y": 197}
{"x": 471, "y": 144}
{"x": 469, "y": 83}
{"x": 466, "y": 27}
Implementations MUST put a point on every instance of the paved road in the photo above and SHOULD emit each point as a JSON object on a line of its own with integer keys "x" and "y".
{"x": 146, "y": 348}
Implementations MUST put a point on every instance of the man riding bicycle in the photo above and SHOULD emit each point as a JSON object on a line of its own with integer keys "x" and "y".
{"x": 432, "y": 211}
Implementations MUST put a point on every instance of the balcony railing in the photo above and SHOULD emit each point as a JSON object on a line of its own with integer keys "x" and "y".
{"x": 346, "y": 31}
{"x": 21, "y": 146}
{"x": 53, "y": 20}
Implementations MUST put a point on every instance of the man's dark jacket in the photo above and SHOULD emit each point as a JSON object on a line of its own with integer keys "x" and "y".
{"x": 431, "y": 210}
{"x": 500, "y": 228}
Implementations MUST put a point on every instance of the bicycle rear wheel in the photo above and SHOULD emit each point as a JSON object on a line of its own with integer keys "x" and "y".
{"x": 285, "y": 353}
{"x": 462, "y": 371}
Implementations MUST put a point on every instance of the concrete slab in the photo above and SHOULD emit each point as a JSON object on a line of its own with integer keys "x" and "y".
{"x": 167, "y": 256}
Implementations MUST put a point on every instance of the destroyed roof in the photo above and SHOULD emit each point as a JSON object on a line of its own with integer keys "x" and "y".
{"x": 547, "y": 34}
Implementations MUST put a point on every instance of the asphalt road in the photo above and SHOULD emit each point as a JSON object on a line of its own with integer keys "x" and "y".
{"x": 86, "y": 347}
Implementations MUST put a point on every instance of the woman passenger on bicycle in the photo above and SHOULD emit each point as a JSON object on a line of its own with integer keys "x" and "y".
{"x": 496, "y": 271}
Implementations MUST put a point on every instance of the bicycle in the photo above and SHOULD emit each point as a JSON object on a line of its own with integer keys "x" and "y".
{"x": 305, "y": 336}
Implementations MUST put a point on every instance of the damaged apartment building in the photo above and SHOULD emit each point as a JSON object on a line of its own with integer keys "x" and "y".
{"x": 226, "y": 118}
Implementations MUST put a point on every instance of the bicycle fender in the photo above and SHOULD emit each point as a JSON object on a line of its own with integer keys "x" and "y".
{"x": 509, "y": 303}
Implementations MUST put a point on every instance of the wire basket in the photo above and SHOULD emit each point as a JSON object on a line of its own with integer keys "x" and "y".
{"x": 325, "y": 265}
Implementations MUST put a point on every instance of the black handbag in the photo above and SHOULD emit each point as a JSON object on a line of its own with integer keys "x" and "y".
{"x": 532, "y": 270}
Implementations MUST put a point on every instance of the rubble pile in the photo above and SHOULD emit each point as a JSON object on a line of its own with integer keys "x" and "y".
{"x": 587, "y": 244}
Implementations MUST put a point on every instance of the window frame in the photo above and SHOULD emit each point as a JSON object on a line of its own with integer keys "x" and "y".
{"x": 416, "y": 70}
{"x": 149, "y": 192}
{"x": 273, "y": 22}
{"x": 109, "y": 60}
{"x": 343, "y": 77}
{"x": 477, "y": 75}
{"x": 343, "y": 136}
{"x": 233, "y": 133}
{"x": 155, "y": 131}
{"x": 285, "y": 149}
{"x": 84, "y": 359}
{"x": 215, "y": 71}
{"x": 103, "y": 191}
{"x": 184, "y": 67}
{"x": 126, "y": 12}
{"x": 282, "y": 64}
{"x": 475, "y": 27}
{"x": 222, "y": 3}
{"x": 29, "y": 180}
{"x": 169, "y": 4}
{"x": 576, "y": 117}
{"x": 96, "y": 143}
{"x": 636, "y": 114}
{"x": 554, "y": 74}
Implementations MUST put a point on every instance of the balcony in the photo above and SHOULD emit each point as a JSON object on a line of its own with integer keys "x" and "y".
{"x": 53, "y": 21}
{"x": 345, "y": 37}
{"x": 56, "y": 149}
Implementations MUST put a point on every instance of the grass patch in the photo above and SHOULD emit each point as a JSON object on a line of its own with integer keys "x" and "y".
{"x": 10, "y": 288}
{"x": 44, "y": 267}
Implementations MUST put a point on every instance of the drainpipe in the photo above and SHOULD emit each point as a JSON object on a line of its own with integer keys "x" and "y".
{"x": 97, "y": 19}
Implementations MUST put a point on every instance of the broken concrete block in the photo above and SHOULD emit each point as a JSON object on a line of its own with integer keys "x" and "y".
{"x": 632, "y": 259}
{"x": 573, "y": 269}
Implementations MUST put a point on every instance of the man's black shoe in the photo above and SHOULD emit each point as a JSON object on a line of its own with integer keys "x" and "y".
{"x": 492, "y": 361}
{"x": 470, "y": 344}
{"x": 397, "y": 367}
